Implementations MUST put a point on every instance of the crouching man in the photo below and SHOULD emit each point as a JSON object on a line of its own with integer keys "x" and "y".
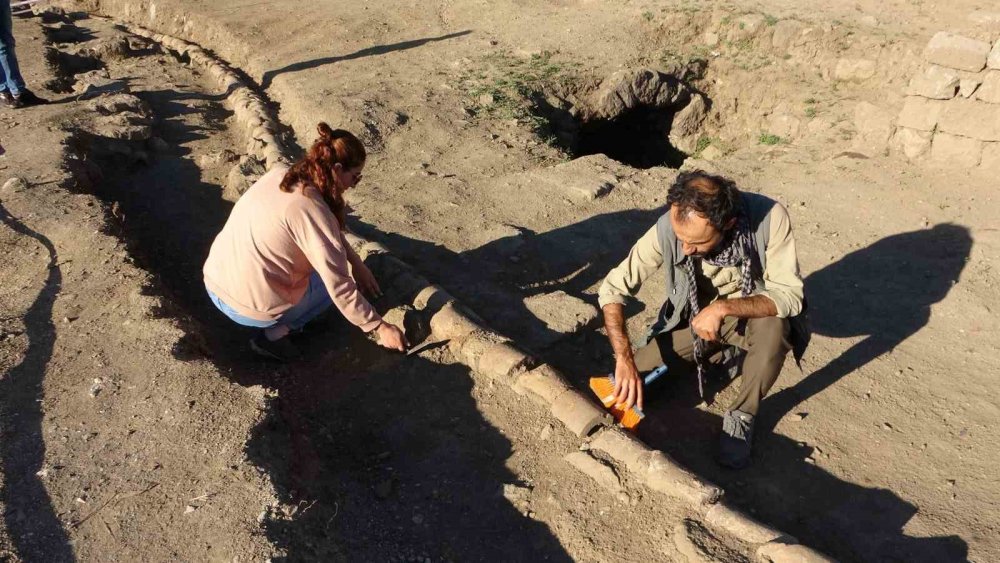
{"x": 732, "y": 280}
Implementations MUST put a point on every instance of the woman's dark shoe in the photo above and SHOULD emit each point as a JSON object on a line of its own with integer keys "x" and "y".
{"x": 9, "y": 101}
{"x": 281, "y": 350}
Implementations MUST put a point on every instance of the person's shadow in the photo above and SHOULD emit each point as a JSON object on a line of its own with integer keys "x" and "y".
{"x": 883, "y": 292}
{"x": 375, "y": 50}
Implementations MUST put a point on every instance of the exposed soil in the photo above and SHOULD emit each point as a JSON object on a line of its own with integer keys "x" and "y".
{"x": 135, "y": 425}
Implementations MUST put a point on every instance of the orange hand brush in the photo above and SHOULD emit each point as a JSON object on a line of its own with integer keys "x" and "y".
{"x": 604, "y": 388}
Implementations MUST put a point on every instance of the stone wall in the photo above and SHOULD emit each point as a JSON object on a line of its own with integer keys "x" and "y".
{"x": 951, "y": 113}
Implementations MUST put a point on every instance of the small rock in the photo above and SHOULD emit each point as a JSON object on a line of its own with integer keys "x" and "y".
{"x": 886, "y": 426}
{"x": 546, "y": 432}
{"x": 486, "y": 100}
{"x": 797, "y": 417}
{"x": 516, "y": 494}
{"x": 190, "y": 508}
{"x": 14, "y": 185}
{"x": 96, "y": 388}
{"x": 418, "y": 519}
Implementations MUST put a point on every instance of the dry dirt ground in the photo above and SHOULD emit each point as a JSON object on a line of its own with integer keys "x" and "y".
{"x": 135, "y": 427}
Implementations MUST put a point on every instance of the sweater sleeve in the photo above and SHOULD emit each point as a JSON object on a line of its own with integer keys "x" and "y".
{"x": 318, "y": 235}
{"x": 643, "y": 259}
{"x": 782, "y": 282}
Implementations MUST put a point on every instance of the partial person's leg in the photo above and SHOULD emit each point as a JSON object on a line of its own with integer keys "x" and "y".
{"x": 674, "y": 349}
{"x": 13, "y": 81}
{"x": 766, "y": 343}
{"x": 315, "y": 301}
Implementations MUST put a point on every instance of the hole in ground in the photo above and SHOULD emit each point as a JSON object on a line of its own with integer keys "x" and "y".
{"x": 629, "y": 117}
{"x": 639, "y": 137}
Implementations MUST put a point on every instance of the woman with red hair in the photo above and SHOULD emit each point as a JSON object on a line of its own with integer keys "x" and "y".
{"x": 281, "y": 258}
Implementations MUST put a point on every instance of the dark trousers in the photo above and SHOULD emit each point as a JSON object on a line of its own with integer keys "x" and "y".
{"x": 765, "y": 341}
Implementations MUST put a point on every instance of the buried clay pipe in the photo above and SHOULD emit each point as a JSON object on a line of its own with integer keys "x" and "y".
{"x": 543, "y": 385}
{"x": 578, "y": 413}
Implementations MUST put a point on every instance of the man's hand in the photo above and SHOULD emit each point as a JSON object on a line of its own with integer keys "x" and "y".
{"x": 366, "y": 281}
{"x": 708, "y": 323}
{"x": 628, "y": 384}
{"x": 389, "y": 336}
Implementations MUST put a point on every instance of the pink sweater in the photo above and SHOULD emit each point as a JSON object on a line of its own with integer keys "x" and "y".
{"x": 261, "y": 261}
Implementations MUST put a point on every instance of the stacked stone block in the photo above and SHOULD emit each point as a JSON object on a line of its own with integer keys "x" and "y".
{"x": 951, "y": 114}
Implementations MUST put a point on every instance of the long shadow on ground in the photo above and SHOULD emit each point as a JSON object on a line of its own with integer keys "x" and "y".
{"x": 383, "y": 456}
{"x": 376, "y": 50}
{"x": 883, "y": 292}
{"x": 34, "y": 528}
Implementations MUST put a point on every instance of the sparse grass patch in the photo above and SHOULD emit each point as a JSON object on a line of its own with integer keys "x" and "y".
{"x": 810, "y": 112}
{"x": 648, "y": 16}
{"x": 770, "y": 20}
{"x": 502, "y": 86}
{"x": 768, "y": 139}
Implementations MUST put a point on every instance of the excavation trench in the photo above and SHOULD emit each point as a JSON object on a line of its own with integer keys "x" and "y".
{"x": 363, "y": 457}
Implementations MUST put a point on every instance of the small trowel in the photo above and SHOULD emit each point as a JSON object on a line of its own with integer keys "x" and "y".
{"x": 426, "y": 345}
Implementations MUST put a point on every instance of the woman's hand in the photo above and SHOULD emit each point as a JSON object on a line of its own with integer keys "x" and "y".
{"x": 366, "y": 281}
{"x": 389, "y": 336}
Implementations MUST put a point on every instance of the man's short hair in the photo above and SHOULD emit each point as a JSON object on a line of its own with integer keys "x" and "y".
{"x": 714, "y": 197}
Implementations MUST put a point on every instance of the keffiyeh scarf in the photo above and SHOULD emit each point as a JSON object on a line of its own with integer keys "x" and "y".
{"x": 739, "y": 250}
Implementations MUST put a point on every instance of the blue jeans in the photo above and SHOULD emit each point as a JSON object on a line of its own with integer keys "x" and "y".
{"x": 313, "y": 303}
{"x": 10, "y": 74}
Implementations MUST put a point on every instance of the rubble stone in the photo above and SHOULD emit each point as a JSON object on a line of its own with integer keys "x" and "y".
{"x": 956, "y": 51}
{"x": 989, "y": 90}
{"x": 955, "y": 151}
{"x": 993, "y": 59}
{"x": 911, "y": 143}
{"x": 936, "y": 82}
{"x": 991, "y": 156}
{"x": 854, "y": 70}
{"x": 920, "y": 113}
{"x": 970, "y": 118}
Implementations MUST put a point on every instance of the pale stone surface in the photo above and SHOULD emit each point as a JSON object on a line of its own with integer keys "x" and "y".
{"x": 562, "y": 314}
{"x": 969, "y": 83}
{"x": 785, "y": 34}
{"x": 936, "y": 82}
{"x": 989, "y": 91}
{"x": 993, "y": 59}
{"x": 911, "y": 143}
{"x": 991, "y": 156}
{"x": 874, "y": 127}
{"x": 854, "y": 70}
{"x": 920, "y": 113}
{"x": 587, "y": 177}
{"x": 955, "y": 151}
{"x": 970, "y": 118}
{"x": 783, "y": 125}
{"x": 956, "y": 51}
